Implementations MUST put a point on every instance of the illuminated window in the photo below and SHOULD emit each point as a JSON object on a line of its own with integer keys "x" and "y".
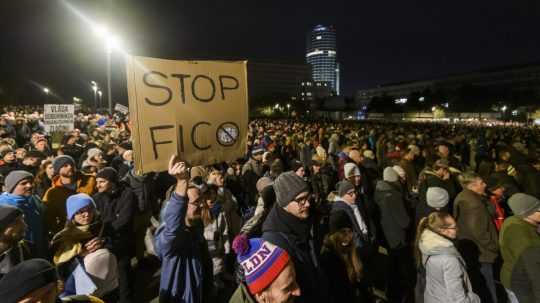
{"x": 318, "y": 37}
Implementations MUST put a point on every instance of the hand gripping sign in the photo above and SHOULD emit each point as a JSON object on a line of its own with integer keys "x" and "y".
{"x": 196, "y": 109}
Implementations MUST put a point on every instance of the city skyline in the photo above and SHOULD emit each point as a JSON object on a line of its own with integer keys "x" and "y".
{"x": 377, "y": 45}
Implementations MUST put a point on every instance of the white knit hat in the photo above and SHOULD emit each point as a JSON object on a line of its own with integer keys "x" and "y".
{"x": 437, "y": 197}
{"x": 350, "y": 170}
{"x": 400, "y": 171}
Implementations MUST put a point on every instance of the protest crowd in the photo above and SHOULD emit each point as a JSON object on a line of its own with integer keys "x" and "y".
{"x": 316, "y": 211}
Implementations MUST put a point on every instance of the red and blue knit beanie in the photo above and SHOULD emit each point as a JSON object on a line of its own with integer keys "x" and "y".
{"x": 261, "y": 261}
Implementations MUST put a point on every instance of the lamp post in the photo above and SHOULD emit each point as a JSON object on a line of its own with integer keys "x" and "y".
{"x": 100, "y": 94}
{"x": 288, "y": 110}
{"x": 95, "y": 89}
{"x": 111, "y": 42}
{"x": 46, "y": 91}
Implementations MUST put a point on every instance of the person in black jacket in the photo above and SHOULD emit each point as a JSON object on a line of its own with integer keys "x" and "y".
{"x": 117, "y": 205}
{"x": 395, "y": 222}
{"x": 289, "y": 226}
{"x": 340, "y": 261}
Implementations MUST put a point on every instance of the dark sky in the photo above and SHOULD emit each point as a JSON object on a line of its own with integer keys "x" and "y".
{"x": 42, "y": 41}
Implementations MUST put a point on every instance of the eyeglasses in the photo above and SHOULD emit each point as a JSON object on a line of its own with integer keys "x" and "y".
{"x": 450, "y": 227}
{"x": 302, "y": 201}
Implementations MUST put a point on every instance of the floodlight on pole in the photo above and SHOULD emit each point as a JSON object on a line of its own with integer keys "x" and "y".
{"x": 46, "y": 90}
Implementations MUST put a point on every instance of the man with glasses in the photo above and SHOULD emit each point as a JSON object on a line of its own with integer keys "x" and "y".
{"x": 289, "y": 226}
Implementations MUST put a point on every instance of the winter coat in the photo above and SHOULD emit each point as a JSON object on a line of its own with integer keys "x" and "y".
{"x": 217, "y": 238}
{"x": 510, "y": 185}
{"x": 294, "y": 235}
{"x": 520, "y": 250}
{"x": 360, "y": 239}
{"x": 476, "y": 230}
{"x": 55, "y": 200}
{"x": 242, "y": 295}
{"x": 410, "y": 172}
{"x": 186, "y": 269}
{"x": 13, "y": 256}
{"x": 339, "y": 286}
{"x": 446, "y": 275}
{"x": 33, "y": 211}
{"x": 394, "y": 217}
{"x": 118, "y": 208}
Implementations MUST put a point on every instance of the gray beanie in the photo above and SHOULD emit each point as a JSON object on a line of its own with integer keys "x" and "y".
{"x": 287, "y": 186}
{"x": 390, "y": 175}
{"x": 523, "y": 205}
{"x": 14, "y": 177}
{"x": 344, "y": 187}
{"x": 437, "y": 197}
{"x": 60, "y": 161}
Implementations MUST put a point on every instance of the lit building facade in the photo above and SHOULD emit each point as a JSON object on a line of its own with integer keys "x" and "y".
{"x": 321, "y": 54}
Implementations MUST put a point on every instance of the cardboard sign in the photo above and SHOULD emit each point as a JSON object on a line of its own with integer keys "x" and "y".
{"x": 58, "y": 117}
{"x": 121, "y": 108}
{"x": 196, "y": 109}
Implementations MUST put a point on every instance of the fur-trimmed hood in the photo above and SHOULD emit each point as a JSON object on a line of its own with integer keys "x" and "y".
{"x": 432, "y": 244}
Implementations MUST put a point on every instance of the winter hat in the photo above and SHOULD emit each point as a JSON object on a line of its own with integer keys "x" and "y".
{"x": 93, "y": 152}
{"x": 8, "y": 214}
{"x": 344, "y": 187}
{"x": 262, "y": 183}
{"x": 390, "y": 175}
{"x": 60, "y": 161}
{"x": 295, "y": 165}
{"x": 34, "y": 154}
{"x": 287, "y": 186}
{"x": 26, "y": 277}
{"x": 5, "y": 149}
{"x": 350, "y": 170}
{"x": 437, "y": 197}
{"x": 523, "y": 205}
{"x": 259, "y": 149}
{"x": 77, "y": 202}
{"x": 400, "y": 171}
{"x": 261, "y": 261}
{"x": 369, "y": 154}
{"x": 339, "y": 220}
{"x": 14, "y": 177}
{"x": 109, "y": 174}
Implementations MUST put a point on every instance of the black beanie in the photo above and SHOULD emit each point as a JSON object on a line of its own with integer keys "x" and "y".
{"x": 109, "y": 174}
{"x": 8, "y": 214}
{"x": 26, "y": 277}
{"x": 60, "y": 161}
{"x": 338, "y": 220}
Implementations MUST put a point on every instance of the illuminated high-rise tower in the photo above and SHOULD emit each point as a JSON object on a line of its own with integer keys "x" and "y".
{"x": 321, "y": 54}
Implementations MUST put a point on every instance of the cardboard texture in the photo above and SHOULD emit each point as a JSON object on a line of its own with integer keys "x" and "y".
{"x": 196, "y": 109}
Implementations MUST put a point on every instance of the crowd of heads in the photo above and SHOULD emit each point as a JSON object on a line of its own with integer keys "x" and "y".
{"x": 314, "y": 211}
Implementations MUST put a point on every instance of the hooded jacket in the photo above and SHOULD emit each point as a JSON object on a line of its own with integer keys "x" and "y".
{"x": 55, "y": 200}
{"x": 446, "y": 276}
{"x": 33, "y": 211}
{"x": 394, "y": 217}
{"x": 294, "y": 235}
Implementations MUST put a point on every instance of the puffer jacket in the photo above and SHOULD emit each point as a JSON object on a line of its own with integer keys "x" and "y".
{"x": 446, "y": 276}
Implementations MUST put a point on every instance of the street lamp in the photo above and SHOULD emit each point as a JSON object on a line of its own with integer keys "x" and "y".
{"x": 95, "y": 89}
{"x": 100, "y": 93}
{"x": 46, "y": 91}
{"x": 111, "y": 42}
{"x": 288, "y": 108}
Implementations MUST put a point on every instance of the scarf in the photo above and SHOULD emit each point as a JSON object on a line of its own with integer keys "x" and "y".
{"x": 300, "y": 228}
{"x": 68, "y": 243}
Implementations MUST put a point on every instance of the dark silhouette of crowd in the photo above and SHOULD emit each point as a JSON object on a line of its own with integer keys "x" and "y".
{"x": 316, "y": 211}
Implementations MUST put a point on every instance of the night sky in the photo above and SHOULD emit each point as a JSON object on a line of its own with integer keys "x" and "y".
{"x": 44, "y": 42}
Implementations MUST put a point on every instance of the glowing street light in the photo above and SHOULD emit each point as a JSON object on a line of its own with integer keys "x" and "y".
{"x": 100, "y": 93}
{"x": 46, "y": 90}
{"x": 504, "y": 108}
{"x": 95, "y": 89}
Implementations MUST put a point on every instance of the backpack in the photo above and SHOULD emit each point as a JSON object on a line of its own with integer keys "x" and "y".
{"x": 420, "y": 287}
